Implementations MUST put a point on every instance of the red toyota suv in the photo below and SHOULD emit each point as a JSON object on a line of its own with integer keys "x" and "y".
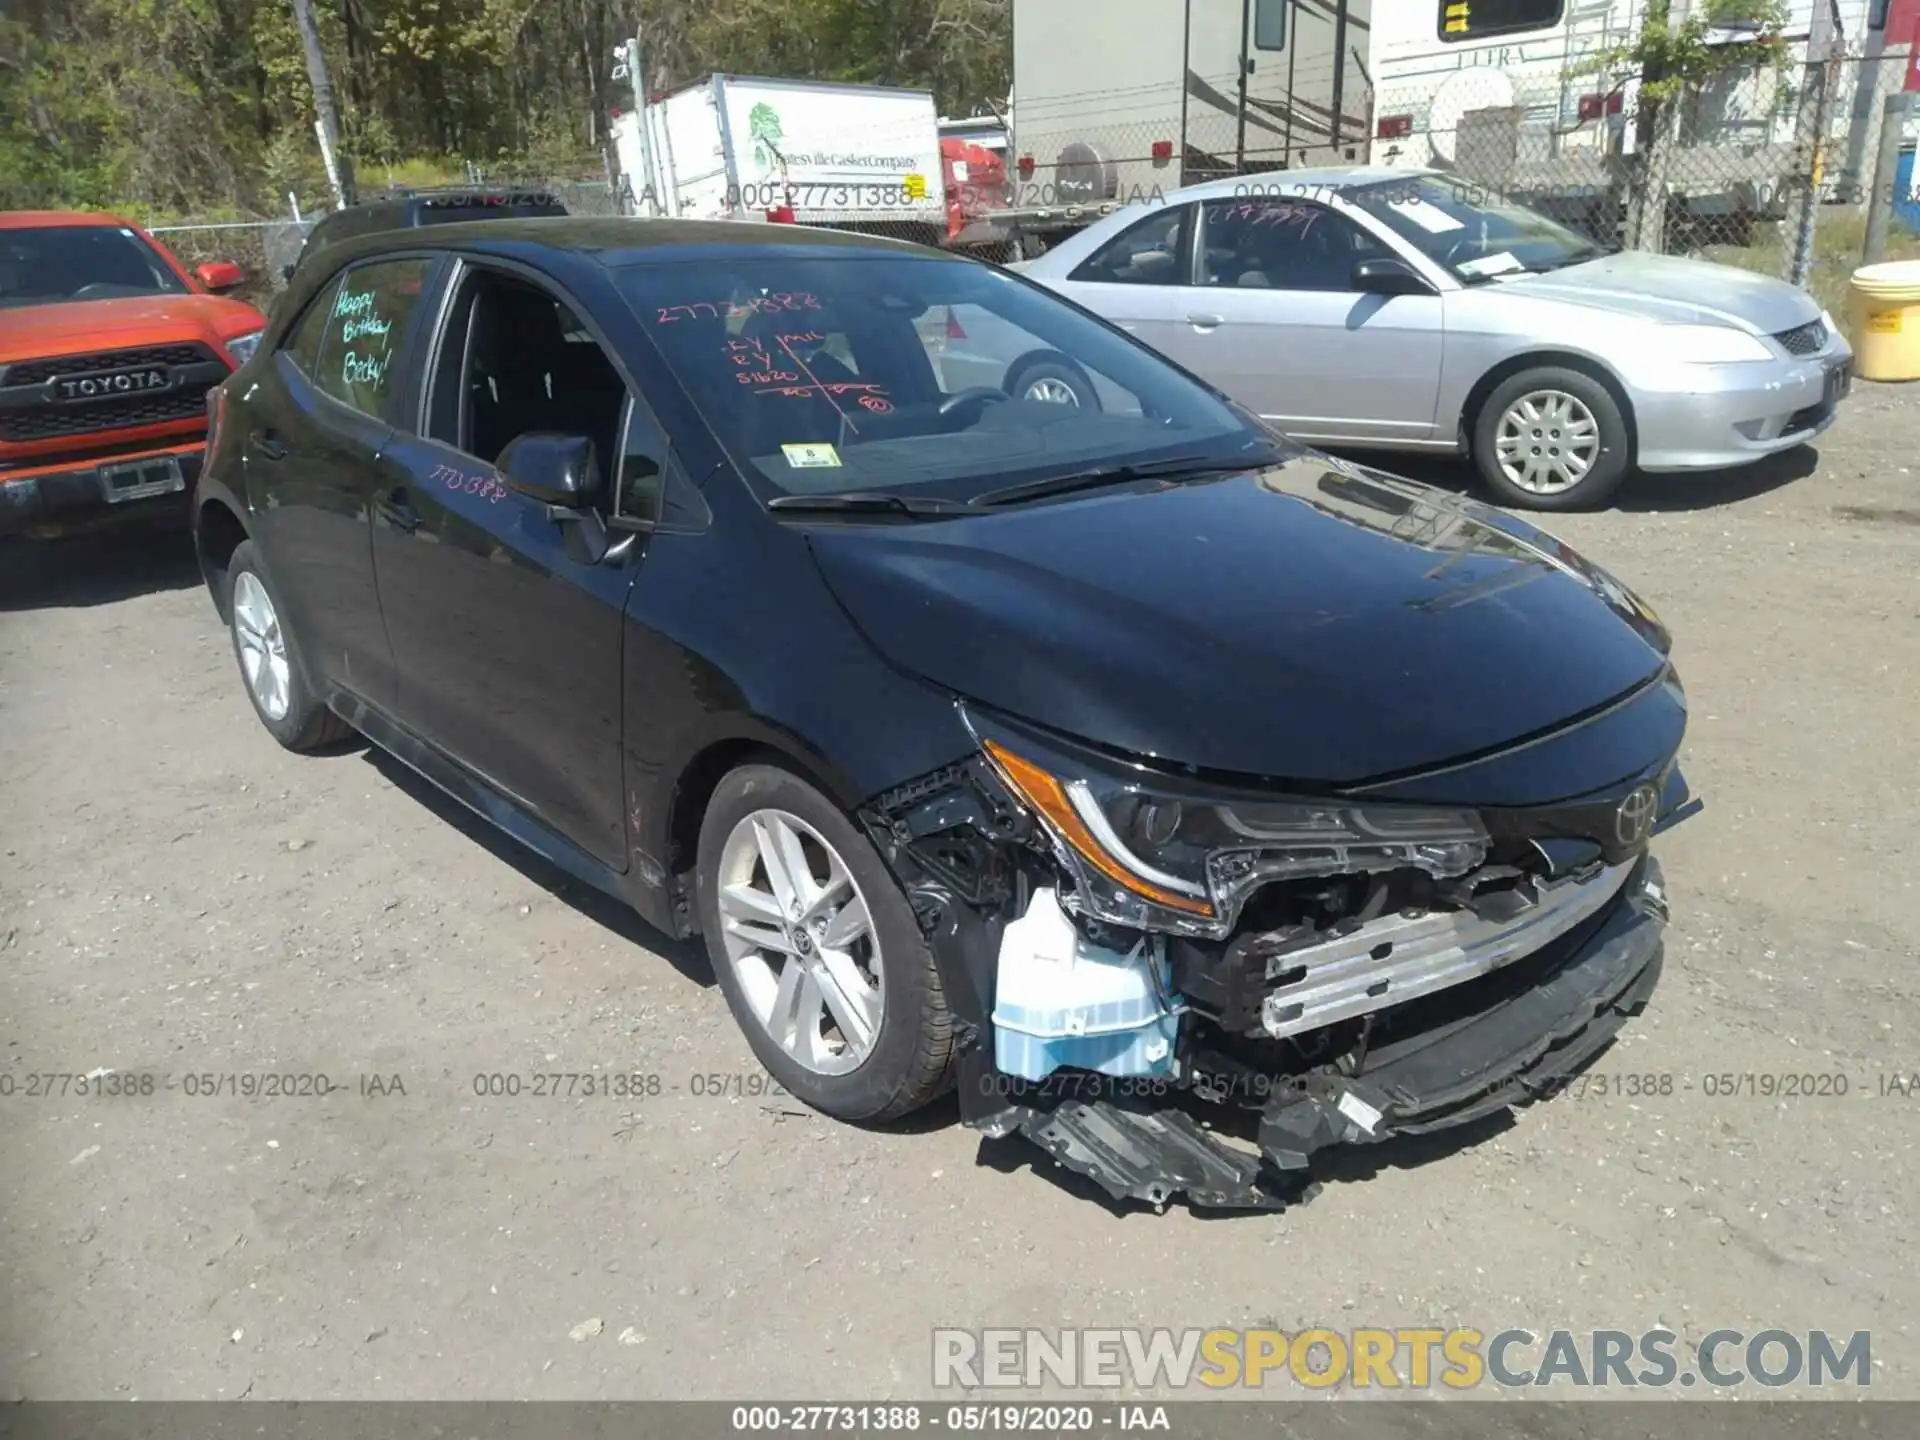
{"x": 108, "y": 347}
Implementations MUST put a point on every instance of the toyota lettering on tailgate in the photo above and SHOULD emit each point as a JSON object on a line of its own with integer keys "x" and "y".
{"x": 109, "y": 383}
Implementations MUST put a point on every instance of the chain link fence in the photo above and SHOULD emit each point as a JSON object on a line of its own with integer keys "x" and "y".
{"x": 1747, "y": 168}
{"x": 1768, "y": 167}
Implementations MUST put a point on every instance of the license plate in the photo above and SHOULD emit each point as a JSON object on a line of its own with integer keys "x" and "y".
{"x": 1839, "y": 382}
{"x": 137, "y": 479}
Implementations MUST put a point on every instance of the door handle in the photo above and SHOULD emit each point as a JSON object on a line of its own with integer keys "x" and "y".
{"x": 1205, "y": 322}
{"x": 269, "y": 444}
{"x": 396, "y": 508}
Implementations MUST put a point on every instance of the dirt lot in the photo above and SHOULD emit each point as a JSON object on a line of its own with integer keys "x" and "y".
{"x": 178, "y": 895}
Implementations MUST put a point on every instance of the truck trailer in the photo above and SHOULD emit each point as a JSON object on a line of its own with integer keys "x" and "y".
{"x": 734, "y": 147}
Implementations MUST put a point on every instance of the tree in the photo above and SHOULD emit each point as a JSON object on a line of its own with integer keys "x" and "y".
{"x": 1674, "y": 61}
{"x": 207, "y": 106}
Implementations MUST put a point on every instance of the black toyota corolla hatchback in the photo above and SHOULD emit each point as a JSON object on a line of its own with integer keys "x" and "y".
{"x": 1195, "y": 801}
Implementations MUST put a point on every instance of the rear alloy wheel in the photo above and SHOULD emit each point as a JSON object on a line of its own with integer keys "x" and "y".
{"x": 1551, "y": 439}
{"x": 270, "y": 661}
{"x": 817, "y": 950}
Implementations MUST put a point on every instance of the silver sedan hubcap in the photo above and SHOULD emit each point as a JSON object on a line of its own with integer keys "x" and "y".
{"x": 1547, "y": 441}
{"x": 263, "y": 651}
{"x": 800, "y": 939}
{"x": 1053, "y": 392}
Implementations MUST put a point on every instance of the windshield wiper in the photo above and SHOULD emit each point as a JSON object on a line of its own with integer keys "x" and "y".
{"x": 872, "y": 502}
{"x": 1187, "y": 465}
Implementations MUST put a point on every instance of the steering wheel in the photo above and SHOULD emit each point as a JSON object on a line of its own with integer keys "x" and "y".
{"x": 980, "y": 395}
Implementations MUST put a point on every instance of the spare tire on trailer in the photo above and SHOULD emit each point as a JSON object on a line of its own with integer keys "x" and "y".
{"x": 1084, "y": 176}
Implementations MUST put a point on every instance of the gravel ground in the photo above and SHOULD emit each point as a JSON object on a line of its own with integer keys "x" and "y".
{"x": 179, "y": 896}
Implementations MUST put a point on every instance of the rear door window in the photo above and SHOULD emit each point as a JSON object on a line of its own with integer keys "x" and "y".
{"x": 364, "y": 325}
{"x": 302, "y": 345}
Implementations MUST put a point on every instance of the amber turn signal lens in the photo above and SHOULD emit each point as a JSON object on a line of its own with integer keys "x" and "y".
{"x": 1044, "y": 793}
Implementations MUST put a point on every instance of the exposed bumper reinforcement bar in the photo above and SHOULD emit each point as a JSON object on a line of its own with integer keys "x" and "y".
{"x": 1423, "y": 954}
{"x": 1501, "y": 1041}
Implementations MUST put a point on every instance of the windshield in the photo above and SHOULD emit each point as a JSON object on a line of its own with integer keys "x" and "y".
{"x": 873, "y": 372}
{"x": 1475, "y": 235}
{"x": 45, "y": 265}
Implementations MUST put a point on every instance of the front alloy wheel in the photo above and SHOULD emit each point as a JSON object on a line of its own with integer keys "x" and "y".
{"x": 800, "y": 939}
{"x": 820, "y": 956}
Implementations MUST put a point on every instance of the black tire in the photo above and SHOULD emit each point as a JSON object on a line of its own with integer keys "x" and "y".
{"x": 1057, "y": 368}
{"x": 911, "y": 1061}
{"x": 1609, "y": 466}
{"x": 307, "y": 724}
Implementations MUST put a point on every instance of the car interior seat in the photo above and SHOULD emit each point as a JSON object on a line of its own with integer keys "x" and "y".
{"x": 771, "y": 418}
{"x": 527, "y": 375}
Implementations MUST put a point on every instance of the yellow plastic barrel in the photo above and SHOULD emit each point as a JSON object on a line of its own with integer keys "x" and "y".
{"x": 1886, "y": 321}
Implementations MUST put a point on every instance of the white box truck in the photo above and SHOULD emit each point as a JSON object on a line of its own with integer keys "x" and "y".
{"x": 739, "y": 147}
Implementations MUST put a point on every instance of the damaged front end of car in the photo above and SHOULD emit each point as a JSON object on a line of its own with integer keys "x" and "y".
{"x": 1174, "y": 987}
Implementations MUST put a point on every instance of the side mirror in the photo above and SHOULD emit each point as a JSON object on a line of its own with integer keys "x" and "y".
{"x": 1385, "y": 275}
{"x": 220, "y": 275}
{"x": 558, "y": 470}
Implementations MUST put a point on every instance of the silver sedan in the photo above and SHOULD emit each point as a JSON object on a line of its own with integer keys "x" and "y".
{"x": 1409, "y": 310}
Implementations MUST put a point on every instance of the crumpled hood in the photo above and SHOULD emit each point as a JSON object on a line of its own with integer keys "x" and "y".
{"x": 1311, "y": 622}
{"x": 1674, "y": 290}
{"x": 85, "y": 326}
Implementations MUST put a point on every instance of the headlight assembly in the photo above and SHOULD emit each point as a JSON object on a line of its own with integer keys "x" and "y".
{"x": 241, "y": 347}
{"x": 1710, "y": 345}
{"x": 1149, "y": 852}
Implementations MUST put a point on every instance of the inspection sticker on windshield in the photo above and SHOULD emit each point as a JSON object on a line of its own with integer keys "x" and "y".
{"x": 1430, "y": 218}
{"x": 811, "y": 457}
{"x": 1502, "y": 264}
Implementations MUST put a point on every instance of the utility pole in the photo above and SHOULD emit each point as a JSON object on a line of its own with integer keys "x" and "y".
{"x": 637, "y": 76}
{"x": 327, "y": 122}
{"x": 1880, "y": 198}
{"x": 1246, "y": 64}
{"x": 1810, "y": 142}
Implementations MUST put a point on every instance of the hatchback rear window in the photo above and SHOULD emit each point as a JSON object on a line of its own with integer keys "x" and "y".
{"x": 875, "y": 371}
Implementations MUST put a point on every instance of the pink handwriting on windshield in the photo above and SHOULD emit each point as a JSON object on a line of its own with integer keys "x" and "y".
{"x": 777, "y": 304}
{"x": 829, "y": 387}
{"x": 758, "y": 367}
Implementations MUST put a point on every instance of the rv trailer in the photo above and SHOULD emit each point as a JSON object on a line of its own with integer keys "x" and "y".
{"x": 1118, "y": 101}
{"x": 1519, "y": 96}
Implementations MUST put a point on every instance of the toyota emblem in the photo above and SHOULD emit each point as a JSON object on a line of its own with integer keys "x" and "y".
{"x": 1633, "y": 821}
